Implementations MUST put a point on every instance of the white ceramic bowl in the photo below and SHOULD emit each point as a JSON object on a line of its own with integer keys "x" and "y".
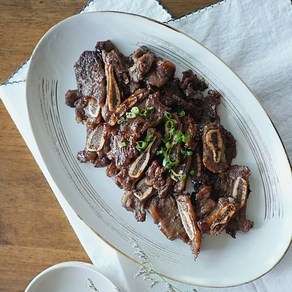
{"x": 73, "y": 277}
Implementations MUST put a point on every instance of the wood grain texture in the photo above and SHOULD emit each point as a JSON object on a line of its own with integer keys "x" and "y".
{"x": 34, "y": 232}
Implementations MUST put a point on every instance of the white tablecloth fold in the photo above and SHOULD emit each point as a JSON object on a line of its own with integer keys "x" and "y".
{"x": 255, "y": 39}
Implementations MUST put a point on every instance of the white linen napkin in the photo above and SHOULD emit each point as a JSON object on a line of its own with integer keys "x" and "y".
{"x": 255, "y": 39}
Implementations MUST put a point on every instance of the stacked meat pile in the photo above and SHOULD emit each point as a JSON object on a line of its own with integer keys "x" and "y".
{"x": 152, "y": 132}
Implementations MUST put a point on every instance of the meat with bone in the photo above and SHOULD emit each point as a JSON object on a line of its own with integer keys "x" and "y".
{"x": 204, "y": 202}
{"x": 190, "y": 130}
{"x": 231, "y": 189}
{"x": 165, "y": 214}
{"x": 218, "y": 148}
{"x": 90, "y": 76}
{"x": 127, "y": 104}
{"x": 150, "y": 114}
{"x": 158, "y": 177}
{"x": 136, "y": 199}
{"x": 189, "y": 222}
{"x": 130, "y": 174}
{"x": 123, "y": 148}
{"x": 114, "y": 59}
{"x": 236, "y": 182}
{"x": 219, "y": 218}
{"x": 152, "y": 131}
{"x": 131, "y": 203}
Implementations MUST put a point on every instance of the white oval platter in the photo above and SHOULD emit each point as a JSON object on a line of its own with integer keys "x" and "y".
{"x": 223, "y": 261}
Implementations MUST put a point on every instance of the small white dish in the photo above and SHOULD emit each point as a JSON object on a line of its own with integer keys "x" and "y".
{"x": 73, "y": 277}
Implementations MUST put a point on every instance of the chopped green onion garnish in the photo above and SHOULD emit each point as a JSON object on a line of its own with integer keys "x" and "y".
{"x": 149, "y": 138}
{"x": 144, "y": 112}
{"x": 168, "y": 163}
{"x": 130, "y": 115}
{"x": 185, "y": 138}
{"x": 167, "y": 115}
{"x": 189, "y": 153}
{"x": 177, "y": 176}
{"x": 141, "y": 145}
{"x": 168, "y": 145}
{"x": 169, "y": 124}
{"x": 177, "y": 137}
{"x": 167, "y": 136}
{"x": 135, "y": 110}
{"x": 121, "y": 120}
{"x": 181, "y": 113}
{"x": 192, "y": 173}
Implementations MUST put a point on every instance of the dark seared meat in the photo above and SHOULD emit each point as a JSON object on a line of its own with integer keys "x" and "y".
{"x": 130, "y": 174}
{"x": 235, "y": 183}
{"x": 219, "y": 218}
{"x": 86, "y": 156}
{"x": 112, "y": 56}
{"x": 161, "y": 72}
{"x": 101, "y": 160}
{"x": 191, "y": 83}
{"x": 128, "y": 104}
{"x": 124, "y": 149}
{"x": 123, "y": 180}
{"x": 136, "y": 199}
{"x": 90, "y": 76}
{"x": 154, "y": 116}
{"x": 112, "y": 169}
{"x": 158, "y": 177}
{"x": 183, "y": 169}
{"x": 209, "y": 105}
{"x": 131, "y": 203}
{"x": 141, "y": 163}
{"x": 165, "y": 214}
{"x": 189, "y": 128}
{"x": 143, "y": 60}
{"x": 81, "y": 109}
{"x": 219, "y": 148}
{"x": 153, "y": 131}
{"x": 173, "y": 97}
{"x": 204, "y": 203}
{"x": 239, "y": 222}
{"x": 221, "y": 203}
{"x": 71, "y": 97}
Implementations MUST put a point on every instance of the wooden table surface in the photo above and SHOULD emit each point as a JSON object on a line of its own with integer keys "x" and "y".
{"x": 34, "y": 232}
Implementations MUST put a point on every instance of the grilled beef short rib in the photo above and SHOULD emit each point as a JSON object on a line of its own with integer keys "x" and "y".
{"x": 154, "y": 131}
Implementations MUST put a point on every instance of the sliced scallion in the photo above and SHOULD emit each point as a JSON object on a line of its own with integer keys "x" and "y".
{"x": 192, "y": 173}
{"x": 135, "y": 110}
{"x": 167, "y": 115}
{"x": 121, "y": 120}
{"x": 177, "y": 176}
{"x": 130, "y": 115}
{"x": 181, "y": 113}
